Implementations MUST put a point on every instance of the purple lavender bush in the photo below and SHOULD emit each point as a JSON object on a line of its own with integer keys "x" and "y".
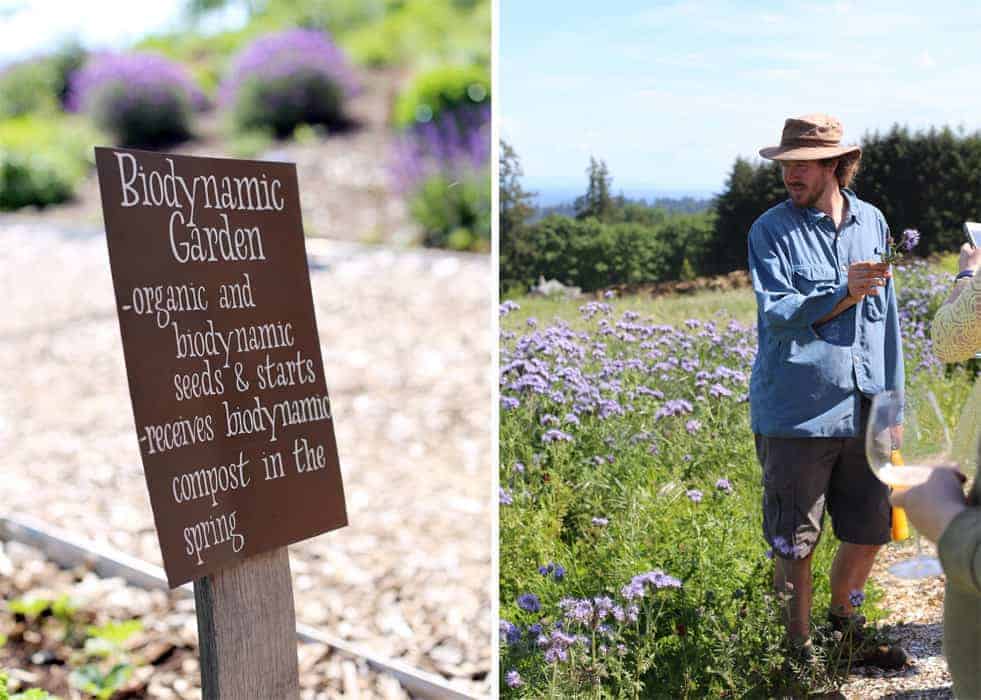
{"x": 282, "y": 80}
{"x": 441, "y": 167}
{"x": 141, "y": 99}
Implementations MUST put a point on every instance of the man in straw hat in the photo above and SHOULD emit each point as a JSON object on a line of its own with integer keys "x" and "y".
{"x": 828, "y": 340}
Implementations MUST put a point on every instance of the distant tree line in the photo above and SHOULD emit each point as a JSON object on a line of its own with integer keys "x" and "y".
{"x": 928, "y": 180}
{"x": 671, "y": 205}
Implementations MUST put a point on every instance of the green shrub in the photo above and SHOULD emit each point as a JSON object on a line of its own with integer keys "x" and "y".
{"x": 40, "y": 84}
{"x": 31, "y": 86}
{"x": 454, "y": 214}
{"x": 441, "y": 92}
{"x": 42, "y": 160}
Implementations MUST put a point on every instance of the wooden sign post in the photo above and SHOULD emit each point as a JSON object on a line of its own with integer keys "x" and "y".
{"x": 229, "y": 397}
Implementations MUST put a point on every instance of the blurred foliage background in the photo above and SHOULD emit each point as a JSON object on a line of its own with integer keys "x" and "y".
{"x": 286, "y": 74}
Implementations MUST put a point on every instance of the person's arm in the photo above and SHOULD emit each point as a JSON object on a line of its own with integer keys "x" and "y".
{"x": 959, "y": 546}
{"x": 956, "y": 328}
{"x": 937, "y": 509}
{"x": 841, "y": 307}
{"x": 782, "y": 304}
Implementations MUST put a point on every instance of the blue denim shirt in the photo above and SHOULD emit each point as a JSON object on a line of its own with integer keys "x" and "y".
{"x": 808, "y": 379}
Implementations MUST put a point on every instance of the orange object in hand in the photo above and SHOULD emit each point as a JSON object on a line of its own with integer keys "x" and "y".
{"x": 900, "y": 528}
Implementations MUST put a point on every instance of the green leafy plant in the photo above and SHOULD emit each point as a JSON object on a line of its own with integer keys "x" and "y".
{"x": 108, "y": 639}
{"x": 92, "y": 680}
{"x": 30, "y": 607}
{"x": 454, "y": 214}
{"x": 31, "y": 694}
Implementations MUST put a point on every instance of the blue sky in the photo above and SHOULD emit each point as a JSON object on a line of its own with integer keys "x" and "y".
{"x": 669, "y": 93}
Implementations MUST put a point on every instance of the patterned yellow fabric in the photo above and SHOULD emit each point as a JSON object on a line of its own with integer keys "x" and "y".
{"x": 956, "y": 337}
{"x": 957, "y": 326}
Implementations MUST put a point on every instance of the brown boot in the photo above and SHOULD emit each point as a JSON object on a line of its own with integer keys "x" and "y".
{"x": 866, "y": 648}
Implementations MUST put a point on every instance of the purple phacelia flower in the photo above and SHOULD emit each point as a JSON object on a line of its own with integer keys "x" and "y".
{"x": 656, "y": 579}
{"x": 505, "y": 498}
{"x": 910, "y": 239}
{"x": 508, "y": 306}
{"x": 529, "y": 602}
{"x": 674, "y": 407}
{"x": 724, "y": 485}
{"x": 555, "y": 435}
{"x": 510, "y": 632}
{"x": 513, "y": 679}
{"x": 717, "y": 391}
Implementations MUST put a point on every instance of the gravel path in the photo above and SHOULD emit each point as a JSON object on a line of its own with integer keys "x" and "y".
{"x": 164, "y": 652}
{"x": 406, "y": 344}
{"x": 915, "y": 619}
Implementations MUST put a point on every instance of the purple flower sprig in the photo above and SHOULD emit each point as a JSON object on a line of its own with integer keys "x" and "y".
{"x": 896, "y": 250}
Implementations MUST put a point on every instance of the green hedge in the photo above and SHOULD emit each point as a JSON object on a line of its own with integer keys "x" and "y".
{"x": 591, "y": 254}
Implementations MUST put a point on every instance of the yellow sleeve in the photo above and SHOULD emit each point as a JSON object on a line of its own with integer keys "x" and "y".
{"x": 956, "y": 328}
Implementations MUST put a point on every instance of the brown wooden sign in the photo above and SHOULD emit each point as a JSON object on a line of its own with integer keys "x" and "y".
{"x": 225, "y": 372}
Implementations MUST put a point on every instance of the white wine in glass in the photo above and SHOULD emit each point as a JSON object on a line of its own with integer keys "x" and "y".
{"x": 906, "y": 438}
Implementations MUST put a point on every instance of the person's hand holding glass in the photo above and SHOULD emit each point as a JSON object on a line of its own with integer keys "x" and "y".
{"x": 909, "y": 447}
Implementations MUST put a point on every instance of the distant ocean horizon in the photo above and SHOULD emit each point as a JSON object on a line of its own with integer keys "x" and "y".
{"x": 553, "y": 191}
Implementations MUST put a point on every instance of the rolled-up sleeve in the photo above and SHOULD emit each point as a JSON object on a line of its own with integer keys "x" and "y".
{"x": 782, "y": 304}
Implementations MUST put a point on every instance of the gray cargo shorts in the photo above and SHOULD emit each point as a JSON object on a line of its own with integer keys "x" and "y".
{"x": 802, "y": 475}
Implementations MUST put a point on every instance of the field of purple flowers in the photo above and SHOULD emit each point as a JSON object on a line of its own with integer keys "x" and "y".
{"x": 632, "y": 558}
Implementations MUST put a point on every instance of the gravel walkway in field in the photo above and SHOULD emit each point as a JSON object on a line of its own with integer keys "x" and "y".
{"x": 406, "y": 344}
{"x": 916, "y": 620}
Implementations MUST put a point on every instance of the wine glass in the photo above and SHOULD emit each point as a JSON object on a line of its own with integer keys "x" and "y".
{"x": 905, "y": 439}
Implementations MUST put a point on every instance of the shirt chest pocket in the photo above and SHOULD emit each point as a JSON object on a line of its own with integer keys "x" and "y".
{"x": 874, "y": 307}
{"x": 809, "y": 278}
